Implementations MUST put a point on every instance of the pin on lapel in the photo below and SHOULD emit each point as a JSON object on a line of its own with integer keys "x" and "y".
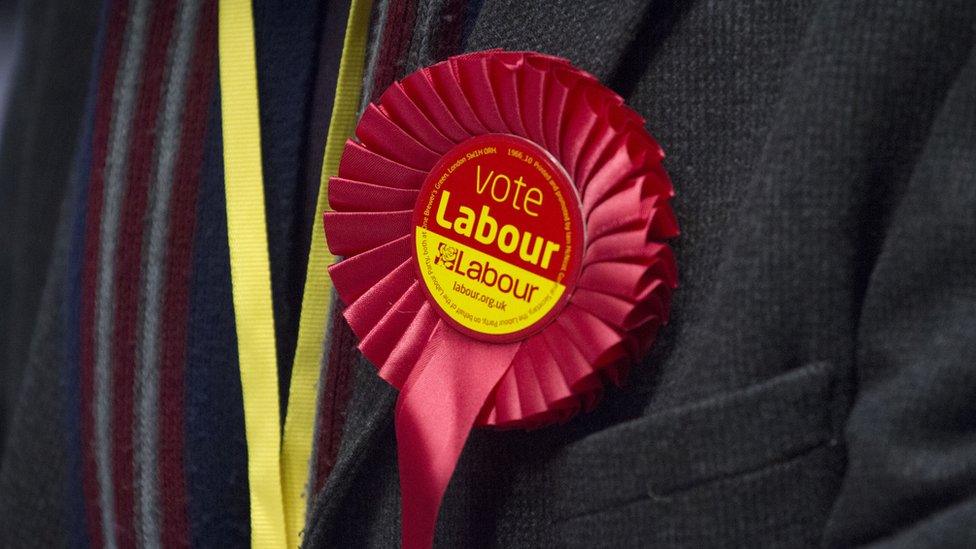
{"x": 504, "y": 219}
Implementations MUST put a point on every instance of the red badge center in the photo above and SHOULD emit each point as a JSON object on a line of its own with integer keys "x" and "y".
{"x": 498, "y": 237}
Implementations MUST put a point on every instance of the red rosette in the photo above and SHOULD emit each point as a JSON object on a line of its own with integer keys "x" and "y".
{"x": 614, "y": 288}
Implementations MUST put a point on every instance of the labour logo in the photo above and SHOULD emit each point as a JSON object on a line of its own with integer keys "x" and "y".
{"x": 446, "y": 255}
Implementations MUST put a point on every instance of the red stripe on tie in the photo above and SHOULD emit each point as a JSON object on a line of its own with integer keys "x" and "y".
{"x": 182, "y": 225}
{"x": 103, "y": 117}
{"x": 129, "y": 263}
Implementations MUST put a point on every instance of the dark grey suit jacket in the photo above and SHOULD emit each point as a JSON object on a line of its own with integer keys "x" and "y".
{"x": 817, "y": 383}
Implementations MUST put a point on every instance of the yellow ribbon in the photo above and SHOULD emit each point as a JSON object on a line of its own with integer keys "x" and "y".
{"x": 278, "y": 467}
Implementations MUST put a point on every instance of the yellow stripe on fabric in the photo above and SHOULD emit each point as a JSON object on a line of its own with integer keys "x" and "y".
{"x": 300, "y": 420}
{"x": 250, "y": 270}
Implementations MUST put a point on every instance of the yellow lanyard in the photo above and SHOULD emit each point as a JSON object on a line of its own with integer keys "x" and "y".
{"x": 278, "y": 466}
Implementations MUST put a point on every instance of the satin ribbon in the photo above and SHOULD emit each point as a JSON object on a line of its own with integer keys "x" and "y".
{"x": 435, "y": 411}
{"x": 278, "y": 466}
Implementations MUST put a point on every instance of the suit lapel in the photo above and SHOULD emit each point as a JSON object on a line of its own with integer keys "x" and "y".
{"x": 593, "y": 35}
{"x": 370, "y": 409}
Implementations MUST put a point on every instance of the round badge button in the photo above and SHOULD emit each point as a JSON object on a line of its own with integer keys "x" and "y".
{"x": 498, "y": 237}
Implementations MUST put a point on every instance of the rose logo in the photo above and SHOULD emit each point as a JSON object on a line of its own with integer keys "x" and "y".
{"x": 446, "y": 255}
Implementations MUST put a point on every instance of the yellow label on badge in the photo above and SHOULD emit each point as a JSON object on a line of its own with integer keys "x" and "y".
{"x": 480, "y": 292}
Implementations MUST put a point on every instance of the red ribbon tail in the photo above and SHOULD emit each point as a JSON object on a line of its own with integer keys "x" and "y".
{"x": 435, "y": 412}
